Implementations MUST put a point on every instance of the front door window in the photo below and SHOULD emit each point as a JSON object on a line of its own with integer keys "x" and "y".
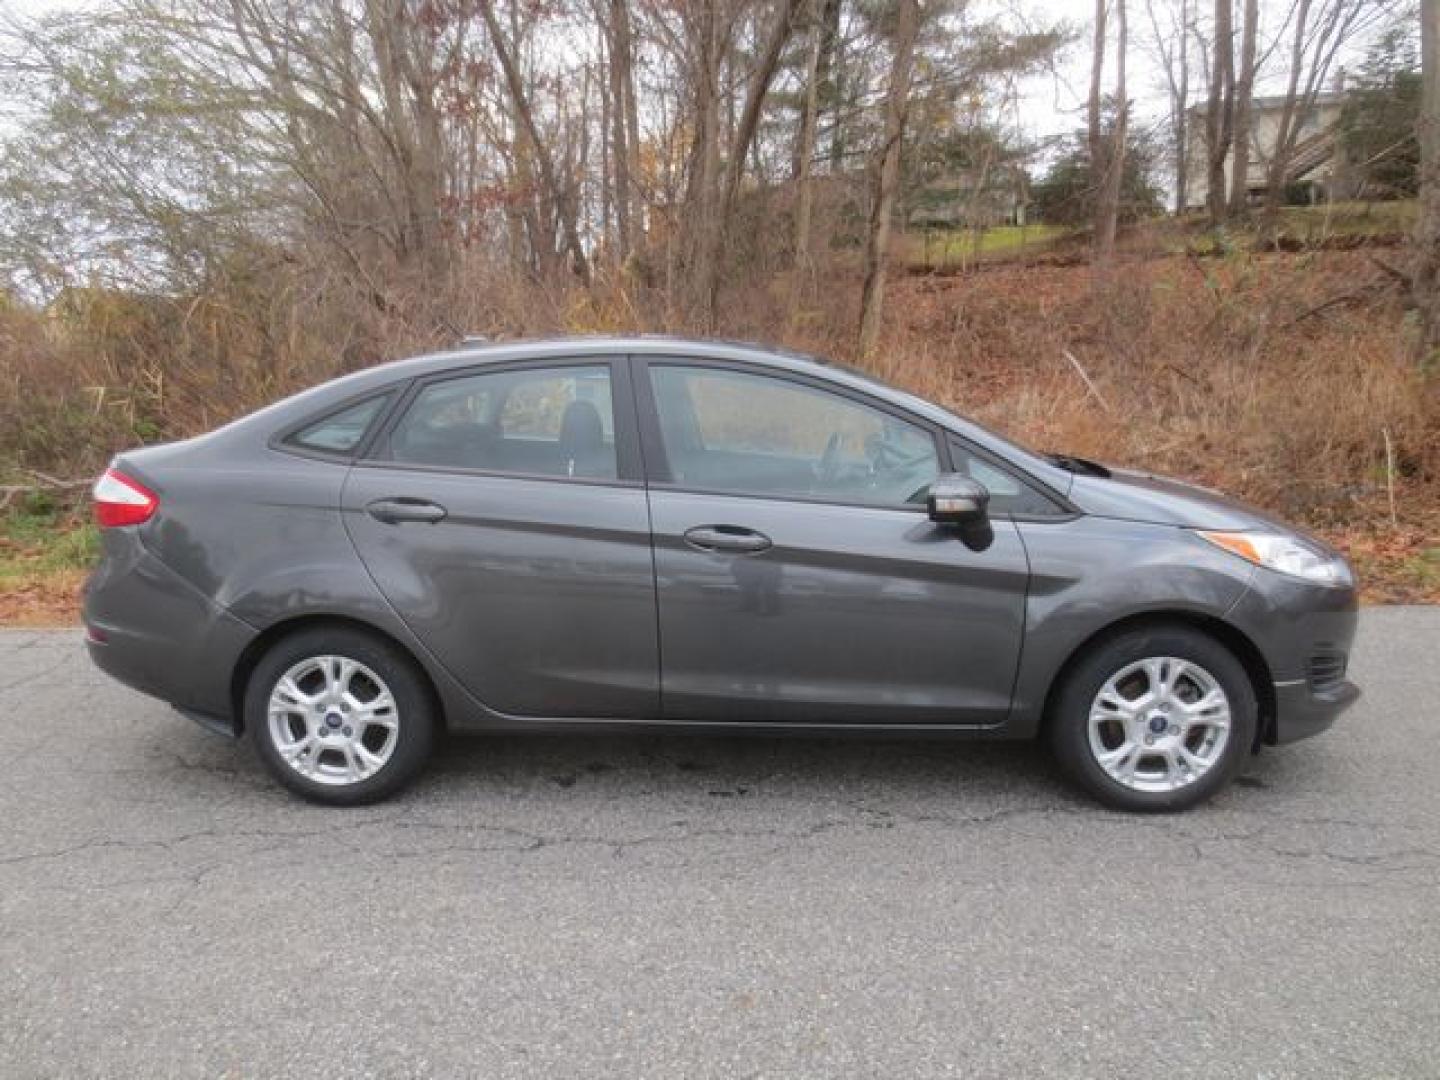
{"x": 746, "y": 434}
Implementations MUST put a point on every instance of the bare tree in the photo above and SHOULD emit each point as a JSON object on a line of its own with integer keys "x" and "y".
{"x": 704, "y": 47}
{"x": 707, "y": 269}
{"x": 405, "y": 150}
{"x": 1219, "y": 110}
{"x": 1320, "y": 30}
{"x": 1107, "y": 150}
{"x": 1244, "y": 108}
{"x": 561, "y": 194}
{"x": 829, "y": 75}
{"x": 886, "y": 169}
{"x": 1094, "y": 131}
{"x": 804, "y": 266}
{"x": 623, "y": 148}
{"x": 1172, "y": 47}
{"x": 1426, "y": 283}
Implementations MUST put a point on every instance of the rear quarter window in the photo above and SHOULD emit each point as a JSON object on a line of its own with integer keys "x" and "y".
{"x": 339, "y": 432}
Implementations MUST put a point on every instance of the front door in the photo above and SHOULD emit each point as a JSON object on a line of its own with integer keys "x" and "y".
{"x": 503, "y": 518}
{"x": 798, "y": 577}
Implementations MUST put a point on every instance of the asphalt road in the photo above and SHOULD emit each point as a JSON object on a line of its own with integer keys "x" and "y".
{"x": 590, "y": 907}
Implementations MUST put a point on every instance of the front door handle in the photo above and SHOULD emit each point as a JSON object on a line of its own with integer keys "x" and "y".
{"x": 727, "y": 538}
{"x": 394, "y": 511}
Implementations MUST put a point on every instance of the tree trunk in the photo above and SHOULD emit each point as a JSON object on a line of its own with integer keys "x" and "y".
{"x": 632, "y": 134}
{"x": 1172, "y": 44}
{"x": 749, "y": 120}
{"x": 703, "y": 189}
{"x": 413, "y": 125}
{"x": 560, "y": 194}
{"x": 1220, "y": 111}
{"x": 1316, "y": 45}
{"x": 828, "y": 79}
{"x": 1110, "y": 166}
{"x": 1182, "y": 112}
{"x": 741, "y": 140}
{"x": 804, "y": 186}
{"x": 887, "y": 176}
{"x": 1093, "y": 130}
{"x": 1275, "y": 178}
{"x": 1427, "y": 230}
{"x": 621, "y": 89}
{"x": 607, "y": 168}
{"x": 1244, "y": 93}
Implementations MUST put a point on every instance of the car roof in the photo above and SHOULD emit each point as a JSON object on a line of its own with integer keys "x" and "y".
{"x": 470, "y": 355}
{"x": 470, "y": 352}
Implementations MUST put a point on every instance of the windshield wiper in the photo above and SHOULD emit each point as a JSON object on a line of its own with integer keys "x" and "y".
{"x": 1082, "y": 466}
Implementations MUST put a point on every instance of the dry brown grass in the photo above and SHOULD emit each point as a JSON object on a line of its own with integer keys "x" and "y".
{"x": 50, "y": 599}
{"x": 1275, "y": 377}
{"x": 1221, "y": 371}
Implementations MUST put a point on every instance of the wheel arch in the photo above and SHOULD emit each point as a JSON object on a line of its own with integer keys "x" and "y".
{"x": 262, "y": 643}
{"x": 1234, "y": 639}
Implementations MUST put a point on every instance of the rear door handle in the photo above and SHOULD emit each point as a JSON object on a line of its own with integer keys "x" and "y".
{"x": 394, "y": 511}
{"x": 727, "y": 538}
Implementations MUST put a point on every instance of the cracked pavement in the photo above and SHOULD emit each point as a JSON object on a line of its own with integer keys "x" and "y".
{"x": 697, "y": 907}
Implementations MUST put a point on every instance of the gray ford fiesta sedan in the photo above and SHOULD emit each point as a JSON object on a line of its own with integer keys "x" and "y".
{"x": 694, "y": 536}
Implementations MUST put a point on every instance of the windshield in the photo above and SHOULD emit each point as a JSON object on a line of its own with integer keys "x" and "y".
{"x": 1007, "y": 445}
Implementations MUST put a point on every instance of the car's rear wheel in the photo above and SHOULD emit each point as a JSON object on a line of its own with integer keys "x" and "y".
{"x": 339, "y": 716}
{"x": 1156, "y": 718}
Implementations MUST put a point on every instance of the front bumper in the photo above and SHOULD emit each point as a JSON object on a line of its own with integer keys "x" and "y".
{"x": 1304, "y": 633}
{"x": 1302, "y": 711}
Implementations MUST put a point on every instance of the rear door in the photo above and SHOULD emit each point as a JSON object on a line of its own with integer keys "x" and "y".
{"x": 503, "y": 516}
{"x": 798, "y": 578}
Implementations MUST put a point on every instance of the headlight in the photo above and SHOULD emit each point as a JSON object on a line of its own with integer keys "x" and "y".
{"x": 1285, "y": 555}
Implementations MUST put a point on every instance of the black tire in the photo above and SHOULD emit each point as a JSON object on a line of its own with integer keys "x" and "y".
{"x": 1068, "y": 722}
{"x": 414, "y": 707}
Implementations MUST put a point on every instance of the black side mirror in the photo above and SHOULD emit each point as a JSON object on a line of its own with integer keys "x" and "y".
{"x": 955, "y": 499}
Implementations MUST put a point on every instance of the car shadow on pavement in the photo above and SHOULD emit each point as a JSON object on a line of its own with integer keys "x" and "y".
{"x": 739, "y": 767}
{"x": 711, "y": 766}
{"x": 952, "y": 773}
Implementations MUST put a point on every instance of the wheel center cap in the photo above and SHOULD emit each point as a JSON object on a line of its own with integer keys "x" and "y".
{"x": 333, "y": 720}
{"x": 1158, "y": 723}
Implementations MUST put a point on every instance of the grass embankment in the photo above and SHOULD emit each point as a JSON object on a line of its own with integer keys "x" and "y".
{"x": 1298, "y": 228}
{"x": 46, "y": 549}
{"x": 943, "y": 249}
{"x": 1286, "y": 379}
{"x": 1348, "y": 218}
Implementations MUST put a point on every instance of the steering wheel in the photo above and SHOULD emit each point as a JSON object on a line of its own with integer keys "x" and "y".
{"x": 886, "y": 457}
{"x": 829, "y": 464}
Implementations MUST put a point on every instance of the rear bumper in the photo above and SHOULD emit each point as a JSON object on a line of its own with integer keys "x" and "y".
{"x": 1301, "y": 711}
{"x": 152, "y": 630}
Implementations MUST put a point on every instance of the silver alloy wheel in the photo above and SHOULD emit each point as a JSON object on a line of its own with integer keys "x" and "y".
{"x": 333, "y": 720}
{"x": 1159, "y": 724}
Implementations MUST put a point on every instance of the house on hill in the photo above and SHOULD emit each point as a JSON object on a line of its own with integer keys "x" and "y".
{"x": 1318, "y": 171}
{"x": 972, "y": 199}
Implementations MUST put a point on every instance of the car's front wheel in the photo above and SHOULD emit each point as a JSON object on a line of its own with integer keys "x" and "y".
{"x": 1156, "y": 718}
{"x": 339, "y": 716}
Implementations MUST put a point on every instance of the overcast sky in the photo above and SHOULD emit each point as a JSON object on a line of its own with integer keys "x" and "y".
{"x": 1047, "y": 105}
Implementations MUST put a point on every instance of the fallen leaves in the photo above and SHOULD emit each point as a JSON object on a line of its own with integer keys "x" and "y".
{"x": 48, "y": 599}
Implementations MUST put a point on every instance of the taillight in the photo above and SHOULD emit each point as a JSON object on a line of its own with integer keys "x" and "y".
{"x": 120, "y": 500}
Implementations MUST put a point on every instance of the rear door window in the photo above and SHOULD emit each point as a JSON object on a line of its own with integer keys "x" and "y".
{"x": 556, "y": 421}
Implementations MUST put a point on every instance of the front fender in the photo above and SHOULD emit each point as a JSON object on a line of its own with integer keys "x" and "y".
{"x": 1090, "y": 573}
